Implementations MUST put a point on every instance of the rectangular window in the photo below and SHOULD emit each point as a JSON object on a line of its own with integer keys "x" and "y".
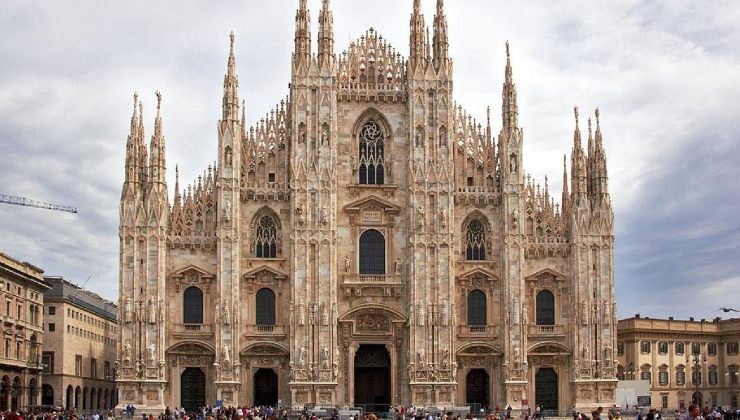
{"x": 620, "y": 348}
{"x": 680, "y": 377}
{"x": 645, "y": 347}
{"x": 645, "y": 375}
{"x": 52, "y": 327}
{"x": 664, "y": 401}
{"x": 47, "y": 362}
{"x": 696, "y": 378}
{"x": 52, "y": 310}
{"x": 93, "y": 367}
{"x": 695, "y": 348}
{"x": 679, "y": 348}
{"x": 78, "y": 365}
{"x": 732, "y": 348}
{"x": 712, "y": 377}
{"x": 7, "y": 348}
{"x": 106, "y": 370}
{"x": 663, "y": 378}
{"x": 712, "y": 349}
{"x": 663, "y": 347}
{"x": 271, "y": 177}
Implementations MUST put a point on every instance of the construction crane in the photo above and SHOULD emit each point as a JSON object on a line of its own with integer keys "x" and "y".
{"x": 22, "y": 201}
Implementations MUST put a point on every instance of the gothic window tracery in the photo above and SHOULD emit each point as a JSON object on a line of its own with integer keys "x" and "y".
{"x": 371, "y": 152}
{"x": 266, "y": 237}
{"x": 475, "y": 241}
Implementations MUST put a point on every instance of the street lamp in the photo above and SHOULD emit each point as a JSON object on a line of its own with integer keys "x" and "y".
{"x": 630, "y": 373}
{"x": 732, "y": 376}
{"x": 699, "y": 361}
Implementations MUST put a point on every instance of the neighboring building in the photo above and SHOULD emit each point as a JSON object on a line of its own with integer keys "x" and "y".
{"x": 22, "y": 288}
{"x": 81, "y": 337}
{"x": 366, "y": 243}
{"x": 685, "y": 361}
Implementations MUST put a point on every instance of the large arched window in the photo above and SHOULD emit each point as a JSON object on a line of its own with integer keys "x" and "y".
{"x": 192, "y": 306}
{"x": 265, "y": 307}
{"x": 476, "y": 308}
{"x": 372, "y": 252}
{"x": 545, "y": 308}
{"x": 371, "y": 141}
{"x": 475, "y": 241}
{"x": 266, "y": 237}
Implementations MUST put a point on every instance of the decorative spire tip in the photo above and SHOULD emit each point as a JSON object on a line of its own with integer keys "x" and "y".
{"x": 575, "y": 111}
{"x": 508, "y": 54}
{"x": 159, "y": 100}
{"x": 231, "y": 37}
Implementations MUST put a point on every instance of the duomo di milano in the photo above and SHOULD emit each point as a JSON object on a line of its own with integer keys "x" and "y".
{"x": 367, "y": 243}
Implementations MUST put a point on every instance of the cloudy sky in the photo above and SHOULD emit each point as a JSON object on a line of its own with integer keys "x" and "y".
{"x": 664, "y": 73}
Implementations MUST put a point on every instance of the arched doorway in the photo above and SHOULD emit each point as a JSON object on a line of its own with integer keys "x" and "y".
{"x": 15, "y": 393}
{"x": 697, "y": 398}
{"x": 265, "y": 387}
{"x": 78, "y": 397}
{"x": 4, "y": 391}
{"x": 70, "y": 404}
{"x": 373, "y": 378}
{"x": 477, "y": 387}
{"x": 93, "y": 399}
{"x": 47, "y": 394}
{"x": 32, "y": 391}
{"x": 193, "y": 389}
{"x": 546, "y": 389}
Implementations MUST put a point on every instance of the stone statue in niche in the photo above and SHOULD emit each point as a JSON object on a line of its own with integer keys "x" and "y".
{"x": 324, "y": 314}
{"x": 227, "y": 314}
{"x": 227, "y": 211}
{"x": 517, "y": 356}
{"x": 235, "y": 312}
{"x": 325, "y": 135}
{"x": 445, "y": 358}
{"x": 397, "y": 266}
{"x": 443, "y": 313}
{"x": 607, "y": 313}
{"x": 525, "y": 317}
{"x": 420, "y": 217}
{"x": 453, "y": 315}
{"x": 291, "y": 314}
{"x": 443, "y": 218}
{"x": 226, "y": 353}
{"x": 325, "y": 357}
{"x": 299, "y": 214}
{"x": 584, "y": 313}
{"x": 443, "y": 137}
{"x": 334, "y": 371}
{"x": 324, "y": 215}
{"x": 420, "y": 357}
{"x": 128, "y": 311}
{"x": 515, "y": 218}
{"x": 334, "y": 316}
{"x": 301, "y": 133}
{"x": 301, "y": 356}
{"x": 586, "y": 356}
{"x": 161, "y": 310}
{"x": 512, "y": 164}
{"x": 127, "y": 351}
{"x": 515, "y": 312}
{"x": 152, "y": 352}
{"x": 152, "y": 311}
{"x": 411, "y": 314}
{"x": 454, "y": 371}
{"x": 347, "y": 264}
{"x": 301, "y": 312}
{"x": 419, "y": 137}
{"x": 217, "y": 313}
{"x": 420, "y": 318}
{"x": 228, "y": 156}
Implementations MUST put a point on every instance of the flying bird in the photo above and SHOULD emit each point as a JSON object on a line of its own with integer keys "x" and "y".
{"x": 727, "y": 310}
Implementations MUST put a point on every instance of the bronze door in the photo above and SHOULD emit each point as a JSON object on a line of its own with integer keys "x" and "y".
{"x": 193, "y": 389}
{"x": 372, "y": 378}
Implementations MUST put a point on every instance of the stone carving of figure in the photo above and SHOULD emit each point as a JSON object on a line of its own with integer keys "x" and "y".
{"x": 325, "y": 357}
{"x": 607, "y": 313}
{"x": 411, "y": 314}
{"x": 347, "y": 265}
{"x": 227, "y": 314}
{"x": 227, "y": 353}
{"x": 301, "y": 312}
{"x": 410, "y": 372}
{"x": 420, "y": 318}
{"x": 584, "y": 313}
{"x": 419, "y": 137}
{"x": 353, "y": 163}
{"x": 227, "y": 211}
{"x": 442, "y": 137}
{"x": 325, "y": 136}
{"x": 525, "y": 317}
{"x": 576, "y": 367}
{"x": 128, "y": 312}
{"x": 515, "y": 312}
{"x": 302, "y": 133}
{"x": 334, "y": 315}
{"x": 161, "y": 310}
{"x": 228, "y": 154}
{"x": 586, "y": 355}
{"x": 454, "y": 371}
{"x": 217, "y": 313}
{"x": 299, "y": 214}
{"x": 324, "y": 215}
{"x": 453, "y": 315}
{"x": 512, "y": 164}
{"x": 445, "y": 358}
{"x": 291, "y": 314}
{"x": 517, "y": 356}
{"x": 301, "y": 356}
{"x": 443, "y": 313}
{"x": 420, "y": 217}
{"x": 334, "y": 371}
{"x": 152, "y": 312}
{"x": 127, "y": 351}
{"x": 443, "y": 218}
{"x": 420, "y": 357}
{"x": 152, "y": 352}
{"x": 397, "y": 266}
{"x": 515, "y": 218}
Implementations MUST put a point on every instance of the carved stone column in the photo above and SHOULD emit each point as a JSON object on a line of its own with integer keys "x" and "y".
{"x": 351, "y": 371}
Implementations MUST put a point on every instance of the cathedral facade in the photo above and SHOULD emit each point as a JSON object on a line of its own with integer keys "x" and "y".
{"x": 367, "y": 243}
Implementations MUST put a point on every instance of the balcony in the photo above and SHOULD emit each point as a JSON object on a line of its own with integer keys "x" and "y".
{"x": 256, "y": 331}
{"x": 387, "y": 285}
{"x": 478, "y": 331}
{"x": 546, "y": 331}
{"x": 192, "y": 331}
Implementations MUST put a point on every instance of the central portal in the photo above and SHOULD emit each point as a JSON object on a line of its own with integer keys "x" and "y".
{"x": 193, "y": 389}
{"x": 373, "y": 378}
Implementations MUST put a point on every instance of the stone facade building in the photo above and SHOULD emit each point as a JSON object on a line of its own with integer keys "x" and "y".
{"x": 685, "y": 361}
{"x": 22, "y": 288}
{"x": 366, "y": 243}
{"x": 79, "y": 357}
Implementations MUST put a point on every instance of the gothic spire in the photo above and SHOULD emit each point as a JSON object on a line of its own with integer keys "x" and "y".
{"x": 178, "y": 198}
{"x": 602, "y": 177}
{"x": 302, "y": 51}
{"x": 565, "y": 195}
{"x": 231, "y": 87}
{"x": 441, "y": 43}
{"x": 132, "y": 144}
{"x": 326, "y": 34}
{"x": 417, "y": 37}
{"x": 141, "y": 152}
{"x": 488, "y": 124}
{"x": 578, "y": 165}
{"x": 509, "y": 108}
{"x": 157, "y": 148}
